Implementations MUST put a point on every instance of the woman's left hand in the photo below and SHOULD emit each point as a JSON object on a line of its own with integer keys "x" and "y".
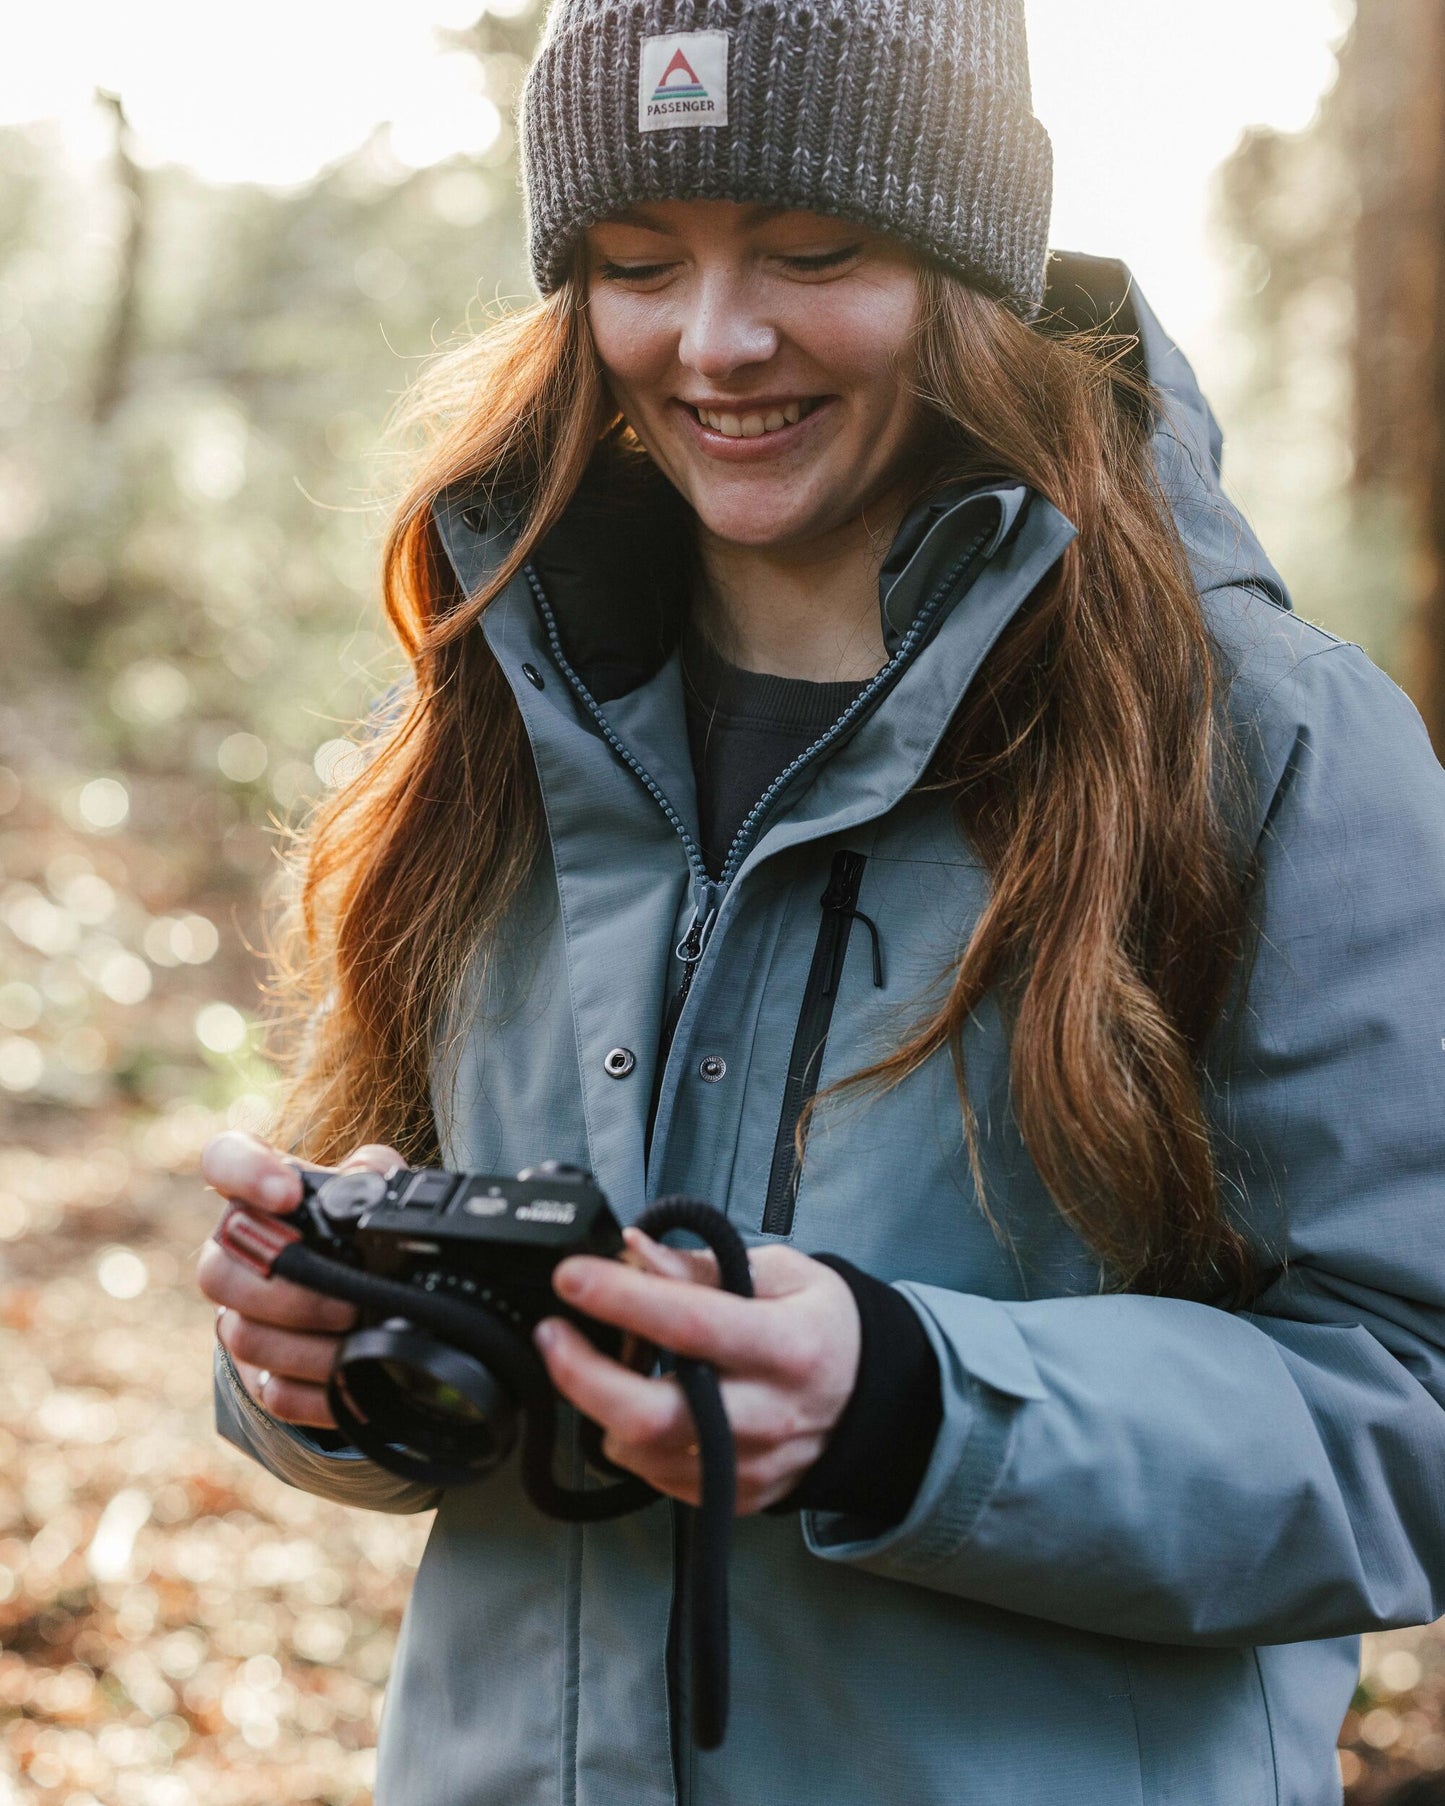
{"x": 787, "y": 1359}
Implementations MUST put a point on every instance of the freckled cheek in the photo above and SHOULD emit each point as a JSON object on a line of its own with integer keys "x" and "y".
{"x": 636, "y": 354}
{"x": 862, "y": 352}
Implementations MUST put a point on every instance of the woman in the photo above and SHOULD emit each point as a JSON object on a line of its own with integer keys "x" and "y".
{"x": 860, "y": 771}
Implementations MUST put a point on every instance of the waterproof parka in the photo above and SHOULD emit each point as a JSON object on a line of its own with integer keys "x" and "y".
{"x": 1152, "y": 1529}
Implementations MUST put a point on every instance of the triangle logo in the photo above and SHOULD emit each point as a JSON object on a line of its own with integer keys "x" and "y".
{"x": 683, "y": 81}
{"x": 688, "y": 84}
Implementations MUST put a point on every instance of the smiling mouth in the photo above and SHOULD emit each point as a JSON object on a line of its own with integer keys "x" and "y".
{"x": 756, "y": 425}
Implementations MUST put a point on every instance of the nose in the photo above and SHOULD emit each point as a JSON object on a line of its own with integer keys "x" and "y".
{"x": 724, "y": 329}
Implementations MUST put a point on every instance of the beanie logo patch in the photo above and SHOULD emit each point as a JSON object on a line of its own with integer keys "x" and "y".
{"x": 683, "y": 81}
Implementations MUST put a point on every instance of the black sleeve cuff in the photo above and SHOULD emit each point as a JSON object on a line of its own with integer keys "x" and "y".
{"x": 880, "y": 1448}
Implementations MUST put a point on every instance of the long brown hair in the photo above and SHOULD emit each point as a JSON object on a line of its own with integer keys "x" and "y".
{"x": 1085, "y": 766}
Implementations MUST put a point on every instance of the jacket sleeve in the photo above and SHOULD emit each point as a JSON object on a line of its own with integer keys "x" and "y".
{"x": 345, "y": 1476}
{"x": 1152, "y": 1468}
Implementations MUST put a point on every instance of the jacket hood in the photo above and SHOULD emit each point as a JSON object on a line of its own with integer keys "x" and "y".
{"x": 1086, "y": 292}
{"x": 619, "y": 566}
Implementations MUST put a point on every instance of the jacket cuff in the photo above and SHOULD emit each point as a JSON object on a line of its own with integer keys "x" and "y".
{"x": 299, "y": 1458}
{"x": 880, "y": 1447}
{"x": 986, "y": 1372}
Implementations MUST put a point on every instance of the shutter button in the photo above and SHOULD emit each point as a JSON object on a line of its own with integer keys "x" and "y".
{"x": 713, "y": 1068}
{"x": 619, "y": 1062}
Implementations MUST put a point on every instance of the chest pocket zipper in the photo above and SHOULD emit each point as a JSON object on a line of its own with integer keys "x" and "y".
{"x": 810, "y": 1041}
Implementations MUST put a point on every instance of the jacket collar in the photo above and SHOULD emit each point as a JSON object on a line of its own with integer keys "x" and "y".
{"x": 618, "y": 567}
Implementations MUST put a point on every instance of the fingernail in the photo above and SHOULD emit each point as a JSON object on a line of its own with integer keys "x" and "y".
{"x": 567, "y": 1280}
{"x": 278, "y": 1189}
{"x": 545, "y": 1335}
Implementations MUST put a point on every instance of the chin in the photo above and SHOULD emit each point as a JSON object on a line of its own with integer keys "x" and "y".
{"x": 760, "y": 520}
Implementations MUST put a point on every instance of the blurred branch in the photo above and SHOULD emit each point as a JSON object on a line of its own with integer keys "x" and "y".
{"x": 117, "y": 345}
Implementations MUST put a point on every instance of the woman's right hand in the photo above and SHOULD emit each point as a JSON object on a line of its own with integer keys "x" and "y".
{"x": 282, "y": 1338}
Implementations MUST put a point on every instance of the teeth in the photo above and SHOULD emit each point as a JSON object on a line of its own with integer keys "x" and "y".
{"x": 754, "y": 426}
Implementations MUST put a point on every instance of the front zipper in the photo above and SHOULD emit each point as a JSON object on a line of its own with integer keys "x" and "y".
{"x": 708, "y": 894}
{"x": 815, "y": 1018}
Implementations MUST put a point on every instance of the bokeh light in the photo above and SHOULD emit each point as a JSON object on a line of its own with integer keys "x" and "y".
{"x": 102, "y": 805}
{"x": 221, "y": 1028}
{"x": 21, "y": 1063}
{"x": 242, "y": 757}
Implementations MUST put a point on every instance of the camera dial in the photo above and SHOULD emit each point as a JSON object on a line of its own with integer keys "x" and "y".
{"x": 345, "y": 1198}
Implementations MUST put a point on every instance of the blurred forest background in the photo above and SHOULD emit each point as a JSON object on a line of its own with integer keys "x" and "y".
{"x": 193, "y": 385}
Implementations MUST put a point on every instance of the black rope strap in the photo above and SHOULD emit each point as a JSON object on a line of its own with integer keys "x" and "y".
{"x": 706, "y": 1548}
{"x": 704, "y": 1552}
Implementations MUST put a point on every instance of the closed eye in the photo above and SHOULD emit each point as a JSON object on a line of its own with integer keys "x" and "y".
{"x": 823, "y": 260}
{"x": 629, "y": 272}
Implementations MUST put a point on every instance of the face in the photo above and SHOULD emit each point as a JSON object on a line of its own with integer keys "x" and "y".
{"x": 761, "y": 358}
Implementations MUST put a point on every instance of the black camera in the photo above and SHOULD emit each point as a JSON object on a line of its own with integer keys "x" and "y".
{"x": 403, "y": 1390}
{"x": 451, "y": 1273}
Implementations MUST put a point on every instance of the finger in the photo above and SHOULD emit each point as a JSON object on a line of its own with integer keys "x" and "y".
{"x": 698, "y": 1265}
{"x": 242, "y": 1166}
{"x": 225, "y": 1280}
{"x": 766, "y": 1469}
{"x": 778, "y": 1272}
{"x": 372, "y": 1157}
{"x": 636, "y": 1410}
{"x": 689, "y": 1319}
{"x": 679, "y": 1476}
{"x": 289, "y": 1400}
{"x": 284, "y": 1352}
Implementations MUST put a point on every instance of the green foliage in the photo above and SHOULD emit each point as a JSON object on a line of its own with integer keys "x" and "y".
{"x": 193, "y": 483}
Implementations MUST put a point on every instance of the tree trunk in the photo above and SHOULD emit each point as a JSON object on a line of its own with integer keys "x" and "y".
{"x": 117, "y": 344}
{"x": 1430, "y": 688}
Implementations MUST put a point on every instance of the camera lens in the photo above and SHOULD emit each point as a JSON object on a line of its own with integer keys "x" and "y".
{"x": 432, "y": 1396}
{"x": 414, "y": 1404}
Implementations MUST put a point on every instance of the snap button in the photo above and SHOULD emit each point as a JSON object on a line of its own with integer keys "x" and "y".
{"x": 534, "y": 677}
{"x": 619, "y": 1062}
{"x": 712, "y": 1068}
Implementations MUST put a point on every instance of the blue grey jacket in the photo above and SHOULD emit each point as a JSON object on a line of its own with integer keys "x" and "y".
{"x": 1151, "y": 1530}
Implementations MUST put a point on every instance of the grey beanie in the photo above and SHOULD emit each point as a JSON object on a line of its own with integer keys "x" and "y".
{"x": 912, "y": 116}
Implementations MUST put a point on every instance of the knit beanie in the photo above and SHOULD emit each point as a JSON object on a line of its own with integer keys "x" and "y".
{"x": 914, "y": 117}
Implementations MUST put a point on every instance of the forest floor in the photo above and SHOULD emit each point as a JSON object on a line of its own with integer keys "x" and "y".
{"x": 176, "y": 1627}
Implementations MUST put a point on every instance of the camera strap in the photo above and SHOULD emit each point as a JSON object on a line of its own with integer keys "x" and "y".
{"x": 706, "y": 1547}
{"x": 272, "y": 1247}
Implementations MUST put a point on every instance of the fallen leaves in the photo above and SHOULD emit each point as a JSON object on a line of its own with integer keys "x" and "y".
{"x": 176, "y": 1627}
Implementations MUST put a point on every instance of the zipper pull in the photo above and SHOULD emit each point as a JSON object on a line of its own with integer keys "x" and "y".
{"x": 693, "y": 944}
{"x": 872, "y": 927}
{"x": 841, "y": 898}
{"x": 836, "y": 971}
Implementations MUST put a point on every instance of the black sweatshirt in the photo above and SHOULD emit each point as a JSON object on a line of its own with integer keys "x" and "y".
{"x": 743, "y": 729}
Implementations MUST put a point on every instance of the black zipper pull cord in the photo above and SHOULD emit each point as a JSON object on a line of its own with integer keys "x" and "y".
{"x": 871, "y": 925}
{"x": 840, "y": 899}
